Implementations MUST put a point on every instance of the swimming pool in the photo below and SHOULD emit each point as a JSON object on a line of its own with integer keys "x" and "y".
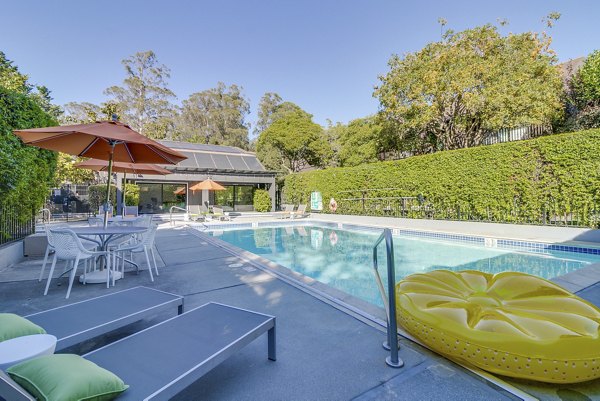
{"x": 342, "y": 259}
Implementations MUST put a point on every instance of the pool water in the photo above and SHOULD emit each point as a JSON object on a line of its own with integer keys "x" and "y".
{"x": 344, "y": 259}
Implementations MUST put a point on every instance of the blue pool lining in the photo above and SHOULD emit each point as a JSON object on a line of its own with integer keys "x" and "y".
{"x": 545, "y": 248}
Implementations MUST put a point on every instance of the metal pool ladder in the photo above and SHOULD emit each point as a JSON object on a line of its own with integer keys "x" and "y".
{"x": 389, "y": 300}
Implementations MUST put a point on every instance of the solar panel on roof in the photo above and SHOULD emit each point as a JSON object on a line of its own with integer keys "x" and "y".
{"x": 189, "y": 162}
{"x": 253, "y": 163}
{"x": 202, "y": 147}
{"x": 204, "y": 161}
{"x": 237, "y": 162}
{"x": 221, "y": 162}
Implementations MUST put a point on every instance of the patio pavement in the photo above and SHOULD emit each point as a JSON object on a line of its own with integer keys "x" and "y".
{"x": 323, "y": 353}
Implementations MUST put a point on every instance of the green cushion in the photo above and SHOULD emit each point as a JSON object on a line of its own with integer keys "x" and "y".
{"x": 66, "y": 377}
{"x": 13, "y": 326}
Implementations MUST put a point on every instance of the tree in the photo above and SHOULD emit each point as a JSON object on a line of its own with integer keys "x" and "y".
{"x": 583, "y": 96}
{"x": 450, "y": 93}
{"x": 26, "y": 171}
{"x": 271, "y": 108}
{"x": 12, "y": 79}
{"x": 144, "y": 98}
{"x": 587, "y": 81}
{"x": 292, "y": 143}
{"x": 215, "y": 116}
{"x": 67, "y": 172}
{"x": 80, "y": 113}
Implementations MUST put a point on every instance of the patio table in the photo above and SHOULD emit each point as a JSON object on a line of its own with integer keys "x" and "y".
{"x": 105, "y": 235}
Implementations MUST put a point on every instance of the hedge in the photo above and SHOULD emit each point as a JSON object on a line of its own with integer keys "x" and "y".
{"x": 262, "y": 201}
{"x": 25, "y": 171}
{"x": 97, "y": 196}
{"x": 552, "y": 179}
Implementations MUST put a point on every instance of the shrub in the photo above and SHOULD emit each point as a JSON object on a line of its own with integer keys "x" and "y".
{"x": 554, "y": 178}
{"x": 132, "y": 194}
{"x": 262, "y": 201}
{"x": 25, "y": 171}
{"x": 97, "y": 196}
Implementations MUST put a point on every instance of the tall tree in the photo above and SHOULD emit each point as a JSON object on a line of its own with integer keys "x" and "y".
{"x": 271, "y": 108}
{"x": 452, "y": 92}
{"x": 144, "y": 98}
{"x": 215, "y": 116}
{"x": 292, "y": 143}
{"x": 583, "y": 95}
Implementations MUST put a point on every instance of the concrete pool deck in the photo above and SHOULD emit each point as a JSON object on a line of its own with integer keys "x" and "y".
{"x": 323, "y": 353}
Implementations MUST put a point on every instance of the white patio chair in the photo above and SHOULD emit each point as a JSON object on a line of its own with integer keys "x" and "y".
{"x": 68, "y": 247}
{"x": 144, "y": 244}
{"x": 50, "y": 246}
{"x": 95, "y": 221}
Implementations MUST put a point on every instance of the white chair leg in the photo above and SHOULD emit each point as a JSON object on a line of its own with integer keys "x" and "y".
{"x": 149, "y": 265}
{"x": 45, "y": 261}
{"x": 72, "y": 276}
{"x": 154, "y": 260}
{"x": 51, "y": 274}
{"x": 108, "y": 272}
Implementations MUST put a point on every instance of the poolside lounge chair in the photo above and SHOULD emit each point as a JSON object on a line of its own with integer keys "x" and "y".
{"x": 286, "y": 213}
{"x": 300, "y": 212}
{"x": 81, "y": 321}
{"x": 161, "y": 361}
{"x": 220, "y": 214}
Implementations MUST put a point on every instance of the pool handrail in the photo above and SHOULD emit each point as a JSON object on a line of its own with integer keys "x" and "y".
{"x": 171, "y": 212}
{"x": 390, "y": 301}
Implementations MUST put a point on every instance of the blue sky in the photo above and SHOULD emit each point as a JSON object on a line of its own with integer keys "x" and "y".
{"x": 323, "y": 55}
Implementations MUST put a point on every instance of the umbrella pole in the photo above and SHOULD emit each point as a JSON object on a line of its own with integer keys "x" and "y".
{"x": 110, "y": 165}
{"x": 124, "y": 191}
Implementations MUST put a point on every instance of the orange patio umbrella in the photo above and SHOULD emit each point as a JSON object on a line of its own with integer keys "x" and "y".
{"x": 122, "y": 167}
{"x": 105, "y": 140}
{"x": 208, "y": 184}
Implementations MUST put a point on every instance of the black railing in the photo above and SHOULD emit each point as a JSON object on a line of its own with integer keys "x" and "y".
{"x": 414, "y": 207}
{"x": 13, "y": 228}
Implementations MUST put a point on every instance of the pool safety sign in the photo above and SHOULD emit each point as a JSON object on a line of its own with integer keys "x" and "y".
{"x": 316, "y": 201}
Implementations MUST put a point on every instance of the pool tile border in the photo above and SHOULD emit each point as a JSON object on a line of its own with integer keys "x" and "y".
{"x": 544, "y": 248}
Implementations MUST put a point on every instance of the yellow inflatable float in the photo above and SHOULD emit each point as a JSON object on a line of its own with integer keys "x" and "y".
{"x": 512, "y": 324}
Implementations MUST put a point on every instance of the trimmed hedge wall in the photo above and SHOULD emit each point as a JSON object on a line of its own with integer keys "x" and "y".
{"x": 25, "y": 171}
{"x": 553, "y": 179}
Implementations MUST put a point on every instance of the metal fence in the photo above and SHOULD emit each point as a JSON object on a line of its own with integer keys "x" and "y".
{"x": 516, "y": 134}
{"x": 12, "y": 228}
{"x": 417, "y": 207}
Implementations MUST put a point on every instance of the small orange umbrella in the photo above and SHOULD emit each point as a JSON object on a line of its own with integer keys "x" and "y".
{"x": 179, "y": 191}
{"x": 208, "y": 184}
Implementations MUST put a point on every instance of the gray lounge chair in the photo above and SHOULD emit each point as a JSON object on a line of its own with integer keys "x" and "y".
{"x": 301, "y": 212}
{"x": 81, "y": 321}
{"x": 221, "y": 214}
{"x": 161, "y": 361}
{"x": 286, "y": 213}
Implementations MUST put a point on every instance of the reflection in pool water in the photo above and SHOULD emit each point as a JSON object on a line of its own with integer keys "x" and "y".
{"x": 343, "y": 259}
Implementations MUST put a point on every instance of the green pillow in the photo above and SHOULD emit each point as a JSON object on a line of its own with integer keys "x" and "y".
{"x": 13, "y": 326}
{"x": 66, "y": 377}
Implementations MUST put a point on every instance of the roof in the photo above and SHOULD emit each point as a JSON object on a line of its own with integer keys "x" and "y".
{"x": 570, "y": 68}
{"x": 214, "y": 158}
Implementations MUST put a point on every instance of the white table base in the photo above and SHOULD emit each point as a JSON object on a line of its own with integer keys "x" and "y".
{"x": 99, "y": 277}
